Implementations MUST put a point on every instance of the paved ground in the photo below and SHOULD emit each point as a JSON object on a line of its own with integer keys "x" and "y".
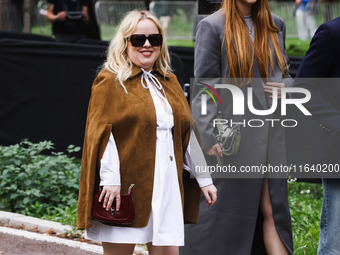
{"x": 16, "y": 245}
{"x": 15, "y": 241}
{"x": 20, "y": 242}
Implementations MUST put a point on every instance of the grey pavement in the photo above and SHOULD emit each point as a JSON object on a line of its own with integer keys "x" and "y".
{"x": 21, "y": 242}
{"x": 17, "y": 220}
{"x": 12, "y": 239}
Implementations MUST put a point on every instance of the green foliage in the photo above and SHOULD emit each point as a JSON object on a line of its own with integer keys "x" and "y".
{"x": 42, "y": 30}
{"x": 181, "y": 43}
{"x": 181, "y": 25}
{"x": 35, "y": 183}
{"x": 296, "y": 47}
{"x": 107, "y": 32}
{"x": 305, "y": 201}
{"x": 46, "y": 186}
{"x": 63, "y": 215}
{"x": 182, "y": 28}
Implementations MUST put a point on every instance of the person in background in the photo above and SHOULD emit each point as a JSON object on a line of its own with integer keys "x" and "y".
{"x": 305, "y": 20}
{"x": 69, "y": 18}
{"x": 137, "y": 132}
{"x": 244, "y": 41}
{"x": 164, "y": 10}
{"x": 322, "y": 60}
{"x": 151, "y": 6}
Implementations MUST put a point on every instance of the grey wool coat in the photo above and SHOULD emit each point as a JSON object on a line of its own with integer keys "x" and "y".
{"x": 234, "y": 224}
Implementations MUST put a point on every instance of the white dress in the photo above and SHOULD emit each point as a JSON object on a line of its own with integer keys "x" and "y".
{"x": 165, "y": 226}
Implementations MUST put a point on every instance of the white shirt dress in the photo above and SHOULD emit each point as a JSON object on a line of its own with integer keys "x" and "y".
{"x": 165, "y": 226}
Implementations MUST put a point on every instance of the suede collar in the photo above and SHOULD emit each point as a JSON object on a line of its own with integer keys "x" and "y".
{"x": 136, "y": 70}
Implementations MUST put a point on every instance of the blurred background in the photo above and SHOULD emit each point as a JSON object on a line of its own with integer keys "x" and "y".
{"x": 178, "y": 17}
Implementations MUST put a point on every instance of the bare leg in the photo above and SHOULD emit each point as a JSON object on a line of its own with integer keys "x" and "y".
{"x": 271, "y": 238}
{"x": 118, "y": 248}
{"x": 162, "y": 250}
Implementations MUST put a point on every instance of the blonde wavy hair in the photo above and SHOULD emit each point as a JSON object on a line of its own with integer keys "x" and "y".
{"x": 117, "y": 60}
{"x": 241, "y": 49}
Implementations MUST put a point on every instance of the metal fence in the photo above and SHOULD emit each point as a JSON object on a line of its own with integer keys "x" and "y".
{"x": 176, "y": 16}
{"x": 179, "y": 18}
{"x": 109, "y": 14}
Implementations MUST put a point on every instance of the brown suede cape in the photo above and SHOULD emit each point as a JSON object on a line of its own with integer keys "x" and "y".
{"x": 131, "y": 118}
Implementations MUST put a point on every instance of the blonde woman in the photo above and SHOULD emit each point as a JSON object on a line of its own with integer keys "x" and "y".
{"x": 137, "y": 132}
{"x": 244, "y": 41}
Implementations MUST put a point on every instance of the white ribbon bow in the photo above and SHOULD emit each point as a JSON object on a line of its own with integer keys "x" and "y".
{"x": 149, "y": 77}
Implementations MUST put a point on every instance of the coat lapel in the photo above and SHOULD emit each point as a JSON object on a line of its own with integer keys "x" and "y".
{"x": 257, "y": 85}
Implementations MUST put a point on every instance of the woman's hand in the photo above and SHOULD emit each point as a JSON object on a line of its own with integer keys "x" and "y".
{"x": 215, "y": 150}
{"x": 270, "y": 85}
{"x": 109, "y": 193}
{"x": 210, "y": 193}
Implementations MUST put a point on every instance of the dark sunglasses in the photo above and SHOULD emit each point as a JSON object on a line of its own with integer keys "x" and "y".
{"x": 138, "y": 40}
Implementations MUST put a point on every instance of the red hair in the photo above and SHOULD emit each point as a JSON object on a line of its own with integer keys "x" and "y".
{"x": 241, "y": 49}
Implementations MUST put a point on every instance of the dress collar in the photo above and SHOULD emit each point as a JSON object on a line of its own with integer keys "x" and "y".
{"x": 137, "y": 70}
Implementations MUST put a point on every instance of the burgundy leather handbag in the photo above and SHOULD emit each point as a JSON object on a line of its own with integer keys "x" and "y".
{"x": 123, "y": 217}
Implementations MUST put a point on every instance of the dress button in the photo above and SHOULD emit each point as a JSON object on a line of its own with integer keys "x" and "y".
{"x": 170, "y": 157}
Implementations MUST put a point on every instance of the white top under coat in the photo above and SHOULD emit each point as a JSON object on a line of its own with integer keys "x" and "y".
{"x": 166, "y": 224}
{"x": 110, "y": 165}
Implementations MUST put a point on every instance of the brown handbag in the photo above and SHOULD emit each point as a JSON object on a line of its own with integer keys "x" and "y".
{"x": 123, "y": 217}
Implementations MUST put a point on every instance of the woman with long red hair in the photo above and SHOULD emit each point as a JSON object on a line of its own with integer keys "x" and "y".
{"x": 242, "y": 44}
